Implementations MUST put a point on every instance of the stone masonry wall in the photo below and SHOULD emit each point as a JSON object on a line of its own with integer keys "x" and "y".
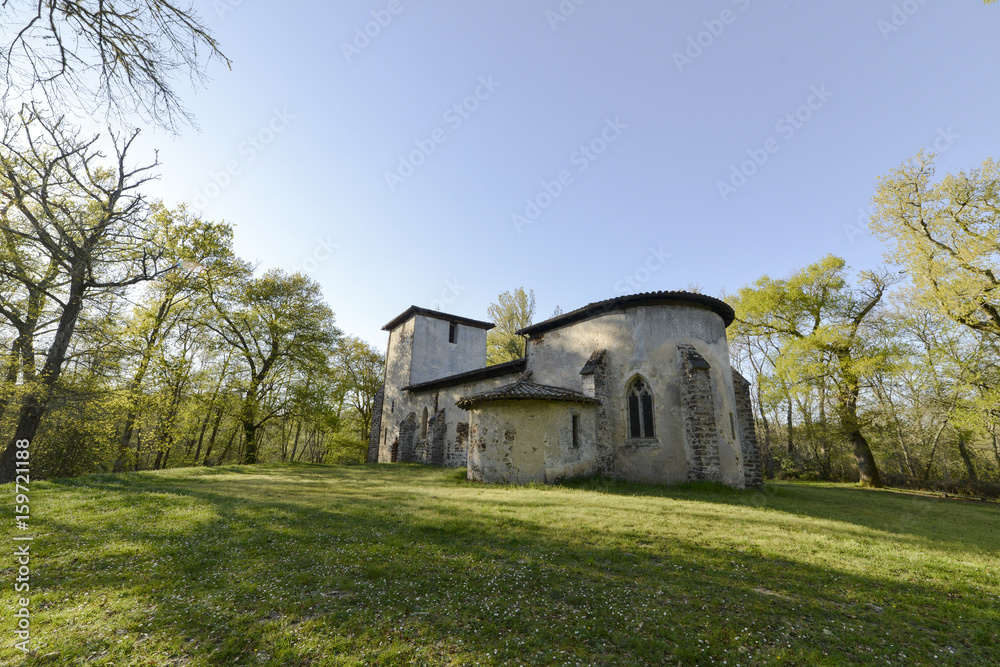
{"x": 437, "y": 429}
{"x": 701, "y": 438}
{"x": 407, "y": 437}
{"x": 457, "y": 452}
{"x": 375, "y": 434}
{"x": 752, "y": 475}
{"x": 596, "y": 377}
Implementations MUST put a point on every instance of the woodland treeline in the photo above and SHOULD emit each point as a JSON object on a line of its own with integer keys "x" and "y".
{"x": 889, "y": 376}
{"x": 132, "y": 337}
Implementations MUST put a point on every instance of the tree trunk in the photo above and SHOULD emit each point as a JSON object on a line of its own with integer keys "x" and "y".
{"x": 866, "y": 460}
{"x": 225, "y": 450}
{"x": 201, "y": 438}
{"x": 295, "y": 444}
{"x": 9, "y": 378}
{"x": 907, "y": 458}
{"x": 930, "y": 457}
{"x": 966, "y": 459}
{"x": 791, "y": 434}
{"x": 211, "y": 438}
{"x": 867, "y": 467}
{"x": 135, "y": 385}
{"x": 996, "y": 448}
{"x": 36, "y": 402}
{"x": 767, "y": 462}
{"x": 248, "y": 420}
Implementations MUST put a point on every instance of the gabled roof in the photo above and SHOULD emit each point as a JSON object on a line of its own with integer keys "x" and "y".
{"x": 525, "y": 390}
{"x": 508, "y": 368}
{"x": 437, "y": 314}
{"x": 678, "y": 298}
{"x": 595, "y": 361}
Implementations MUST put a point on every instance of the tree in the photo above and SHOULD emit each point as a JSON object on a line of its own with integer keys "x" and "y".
{"x": 510, "y": 314}
{"x": 275, "y": 324}
{"x": 362, "y": 366}
{"x": 192, "y": 246}
{"x": 61, "y": 204}
{"x": 823, "y": 328}
{"x": 947, "y": 236}
{"x": 117, "y": 56}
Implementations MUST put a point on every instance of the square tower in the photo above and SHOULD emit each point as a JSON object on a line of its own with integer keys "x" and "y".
{"x": 427, "y": 345}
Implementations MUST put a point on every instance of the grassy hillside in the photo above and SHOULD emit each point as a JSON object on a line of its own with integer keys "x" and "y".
{"x": 397, "y": 565}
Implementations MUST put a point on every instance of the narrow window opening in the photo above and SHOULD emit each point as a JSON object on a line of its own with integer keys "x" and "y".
{"x": 732, "y": 424}
{"x": 647, "y": 416}
{"x": 423, "y": 425}
{"x": 576, "y": 430}
{"x": 392, "y": 405}
{"x": 640, "y": 410}
{"x": 453, "y": 332}
{"x": 635, "y": 426}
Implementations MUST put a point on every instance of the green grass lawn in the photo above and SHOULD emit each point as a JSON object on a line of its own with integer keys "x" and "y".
{"x": 411, "y": 565}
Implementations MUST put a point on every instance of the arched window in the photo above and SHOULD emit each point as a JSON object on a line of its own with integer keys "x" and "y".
{"x": 423, "y": 425}
{"x": 640, "y": 409}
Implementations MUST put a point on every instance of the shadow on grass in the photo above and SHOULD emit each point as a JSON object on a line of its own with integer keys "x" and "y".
{"x": 316, "y": 565}
{"x": 932, "y": 521}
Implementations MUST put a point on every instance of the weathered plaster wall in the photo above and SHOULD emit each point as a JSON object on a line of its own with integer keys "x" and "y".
{"x": 643, "y": 341}
{"x": 419, "y": 351}
{"x": 434, "y": 357}
{"x": 519, "y": 442}
{"x": 397, "y": 376}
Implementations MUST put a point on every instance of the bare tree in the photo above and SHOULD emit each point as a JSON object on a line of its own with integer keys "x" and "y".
{"x": 98, "y": 55}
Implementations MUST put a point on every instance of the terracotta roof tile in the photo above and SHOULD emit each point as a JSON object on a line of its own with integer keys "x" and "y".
{"x": 525, "y": 390}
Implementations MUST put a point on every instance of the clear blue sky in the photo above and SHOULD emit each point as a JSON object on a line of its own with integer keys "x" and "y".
{"x": 872, "y": 82}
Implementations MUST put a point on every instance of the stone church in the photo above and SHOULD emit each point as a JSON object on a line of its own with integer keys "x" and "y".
{"x": 637, "y": 387}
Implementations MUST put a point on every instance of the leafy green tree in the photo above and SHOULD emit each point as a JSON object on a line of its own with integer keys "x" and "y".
{"x": 363, "y": 367}
{"x": 947, "y": 236}
{"x": 192, "y": 247}
{"x": 823, "y": 327}
{"x": 511, "y": 313}
{"x": 274, "y": 324}
{"x": 66, "y": 206}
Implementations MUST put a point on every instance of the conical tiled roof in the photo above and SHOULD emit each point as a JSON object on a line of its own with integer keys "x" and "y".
{"x": 525, "y": 390}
